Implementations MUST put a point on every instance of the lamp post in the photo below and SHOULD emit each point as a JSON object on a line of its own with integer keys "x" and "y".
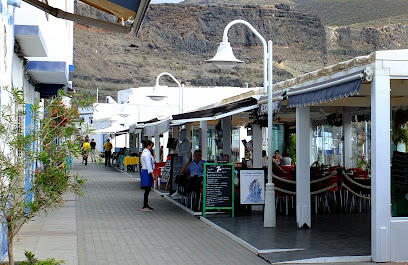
{"x": 156, "y": 96}
{"x": 225, "y": 59}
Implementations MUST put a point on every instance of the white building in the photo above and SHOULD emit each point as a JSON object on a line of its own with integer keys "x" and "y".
{"x": 134, "y": 105}
{"x": 36, "y": 55}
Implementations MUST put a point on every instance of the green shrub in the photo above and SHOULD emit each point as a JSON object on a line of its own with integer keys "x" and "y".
{"x": 31, "y": 260}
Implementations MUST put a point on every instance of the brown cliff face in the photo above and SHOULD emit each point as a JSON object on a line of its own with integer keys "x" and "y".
{"x": 179, "y": 38}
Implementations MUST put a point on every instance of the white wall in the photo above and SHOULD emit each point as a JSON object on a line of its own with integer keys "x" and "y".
{"x": 193, "y": 97}
{"x": 57, "y": 33}
{"x": 6, "y": 51}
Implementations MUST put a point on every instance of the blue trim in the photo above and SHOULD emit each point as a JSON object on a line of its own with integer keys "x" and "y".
{"x": 326, "y": 94}
{"x": 3, "y": 243}
{"x": 71, "y": 72}
{"x": 29, "y": 168}
{"x": 11, "y": 19}
{"x": 30, "y": 30}
{"x": 46, "y": 66}
{"x": 49, "y": 67}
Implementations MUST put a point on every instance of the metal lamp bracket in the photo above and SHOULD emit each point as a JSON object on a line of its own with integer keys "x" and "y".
{"x": 369, "y": 73}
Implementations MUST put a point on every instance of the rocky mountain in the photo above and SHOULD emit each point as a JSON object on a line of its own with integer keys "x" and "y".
{"x": 178, "y": 38}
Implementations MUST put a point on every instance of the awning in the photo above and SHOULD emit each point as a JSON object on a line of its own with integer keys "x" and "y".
{"x": 276, "y": 103}
{"x": 325, "y": 91}
{"x": 125, "y": 10}
{"x": 126, "y": 131}
{"x": 111, "y": 129}
{"x": 157, "y": 128}
{"x": 134, "y": 128}
{"x": 217, "y": 112}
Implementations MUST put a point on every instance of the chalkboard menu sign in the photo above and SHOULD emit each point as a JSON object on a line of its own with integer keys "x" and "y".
{"x": 177, "y": 167}
{"x": 218, "y": 187}
{"x": 166, "y": 171}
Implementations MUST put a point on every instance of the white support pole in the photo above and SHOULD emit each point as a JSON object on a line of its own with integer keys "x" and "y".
{"x": 165, "y": 149}
{"x": 242, "y": 136}
{"x": 303, "y": 139}
{"x": 380, "y": 169}
{"x": 226, "y": 135}
{"x": 181, "y": 98}
{"x": 257, "y": 146}
{"x": 347, "y": 143}
{"x": 157, "y": 148}
{"x": 204, "y": 140}
{"x": 270, "y": 210}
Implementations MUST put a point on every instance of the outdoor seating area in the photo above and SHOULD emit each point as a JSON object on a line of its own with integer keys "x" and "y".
{"x": 329, "y": 127}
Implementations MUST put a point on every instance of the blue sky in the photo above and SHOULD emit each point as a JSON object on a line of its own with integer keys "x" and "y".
{"x": 164, "y": 1}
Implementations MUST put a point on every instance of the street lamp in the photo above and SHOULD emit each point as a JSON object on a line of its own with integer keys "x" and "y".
{"x": 156, "y": 96}
{"x": 225, "y": 59}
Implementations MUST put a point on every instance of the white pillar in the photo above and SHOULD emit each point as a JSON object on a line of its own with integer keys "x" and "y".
{"x": 138, "y": 142}
{"x": 188, "y": 132}
{"x": 380, "y": 167}
{"x": 226, "y": 135}
{"x": 303, "y": 139}
{"x": 157, "y": 148}
{"x": 242, "y": 136}
{"x": 204, "y": 140}
{"x": 347, "y": 143}
{"x": 175, "y": 132}
{"x": 165, "y": 149}
{"x": 257, "y": 146}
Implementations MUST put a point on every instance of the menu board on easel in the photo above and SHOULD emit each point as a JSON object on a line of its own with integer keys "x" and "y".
{"x": 166, "y": 172}
{"x": 218, "y": 187}
{"x": 176, "y": 166}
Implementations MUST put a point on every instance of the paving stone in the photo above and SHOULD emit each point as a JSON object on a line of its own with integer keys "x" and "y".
{"x": 107, "y": 226}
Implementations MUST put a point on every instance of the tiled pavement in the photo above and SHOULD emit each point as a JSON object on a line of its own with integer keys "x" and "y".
{"x": 112, "y": 229}
{"x": 107, "y": 226}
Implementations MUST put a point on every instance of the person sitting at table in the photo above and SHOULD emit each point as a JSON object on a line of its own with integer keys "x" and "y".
{"x": 264, "y": 159}
{"x": 286, "y": 160}
{"x": 224, "y": 159}
{"x": 277, "y": 159}
{"x": 195, "y": 169}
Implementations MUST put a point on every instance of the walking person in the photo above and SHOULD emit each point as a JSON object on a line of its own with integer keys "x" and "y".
{"x": 86, "y": 148}
{"x": 93, "y": 150}
{"x": 108, "y": 152}
{"x": 147, "y": 174}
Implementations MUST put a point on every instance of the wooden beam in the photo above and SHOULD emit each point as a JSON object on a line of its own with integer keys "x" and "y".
{"x": 77, "y": 18}
{"x": 122, "y": 13}
{"x": 141, "y": 11}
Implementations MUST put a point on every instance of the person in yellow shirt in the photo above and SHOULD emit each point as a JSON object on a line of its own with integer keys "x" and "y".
{"x": 86, "y": 148}
{"x": 108, "y": 152}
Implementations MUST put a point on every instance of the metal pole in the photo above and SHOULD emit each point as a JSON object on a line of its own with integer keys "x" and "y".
{"x": 257, "y": 34}
{"x": 181, "y": 89}
{"x": 270, "y": 212}
{"x": 179, "y": 85}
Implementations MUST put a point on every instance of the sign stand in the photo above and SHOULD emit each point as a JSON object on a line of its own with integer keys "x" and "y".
{"x": 218, "y": 187}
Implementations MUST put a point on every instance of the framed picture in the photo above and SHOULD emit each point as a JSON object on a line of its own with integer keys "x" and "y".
{"x": 252, "y": 186}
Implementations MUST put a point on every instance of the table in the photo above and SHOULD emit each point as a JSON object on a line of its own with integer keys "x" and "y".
{"x": 130, "y": 160}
